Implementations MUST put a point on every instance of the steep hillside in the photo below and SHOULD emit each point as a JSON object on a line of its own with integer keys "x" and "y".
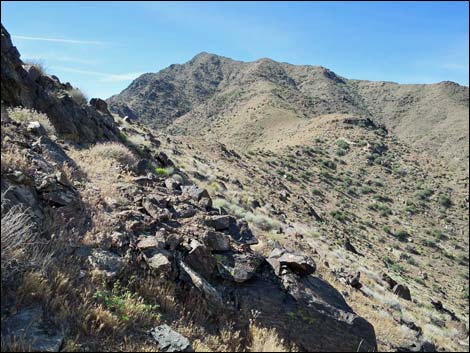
{"x": 108, "y": 245}
{"x": 370, "y": 179}
{"x": 348, "y": 183}
{"x": 221, "y": 98}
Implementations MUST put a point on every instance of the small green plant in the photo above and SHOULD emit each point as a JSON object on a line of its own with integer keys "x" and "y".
{"x": 445, "y": 201}
{"x": 125, "y": 304}
{"x": 424, "y": 195}
{"x": 338, "y": 215}
{"x": 163, "y": 171}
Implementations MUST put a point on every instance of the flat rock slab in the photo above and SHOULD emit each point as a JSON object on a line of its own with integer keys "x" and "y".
{"x": 299, "y": 263}
{"x": 169, "y": 340}
{"x": 28, "y": 326}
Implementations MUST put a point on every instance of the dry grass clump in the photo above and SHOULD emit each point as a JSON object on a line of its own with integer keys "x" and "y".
{"x": 78, "y": 96}
{"x": 104, "y": 168}
{"x": 113, "y": 151}
{"x": 39, "y": 65}
{"x": 265, "y": 340}
{"x": 20, "y": 248}
{"x": 28, "y": 115}
{"x": 14, "y": 158}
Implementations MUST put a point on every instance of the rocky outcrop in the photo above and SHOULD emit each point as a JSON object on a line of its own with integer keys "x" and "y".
{"x": 169, "y": 340}
{"x": 25, "y": 85}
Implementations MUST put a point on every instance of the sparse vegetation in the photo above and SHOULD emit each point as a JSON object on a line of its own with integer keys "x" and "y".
{"x": 78, "y": 96}
{"x": 29, "y": 115}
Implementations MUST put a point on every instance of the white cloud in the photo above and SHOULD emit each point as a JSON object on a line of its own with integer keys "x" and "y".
{"x": 57, "y": 57}
{"x": 104, "y": 77}
{"x": 59, "y": 40}
{"x": 122, "y": 77}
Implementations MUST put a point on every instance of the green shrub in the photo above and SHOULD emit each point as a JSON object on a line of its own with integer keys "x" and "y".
{"x": 402, "y": 235}
{"x": 343, "y": 144}
{"x": 424, "y": 194}
{"x": 328, "y": 164}
{"x": 125, "y": 304}
{"x": 445, "y": 201}
{"x": 366, "y": 190}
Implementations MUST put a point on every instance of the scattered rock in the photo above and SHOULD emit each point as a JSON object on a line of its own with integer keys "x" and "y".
{"x": 419, "y": 346}
{"x": 172, "y": 185}
{"x": 194, "y": 192}
{"x": 218, "y": 222}
{"x": 389, "y": 280}
{"x": 155, "y": 205}
{"x": 349, "y": 247}
{"x": 142, "y": 166}
{"x": 36, "y": 128}
{"x": 354, "y": 280}
{"x": 238, "y": 267}
{"x": 216, "y": 241}
{"x": 200, "y": 259}
{"x": 298, "y": 263}
{"x": 169, "y": 340}
{"x": 105, "y": 263}
{"x": 402, "y": 291}
{"x": 241, "y": 233}
{"x": 210, "y": 293}
{"x": 160, "y": 262}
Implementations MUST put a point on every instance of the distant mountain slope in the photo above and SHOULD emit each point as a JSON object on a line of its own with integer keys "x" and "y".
{"x": 236, "y": 102}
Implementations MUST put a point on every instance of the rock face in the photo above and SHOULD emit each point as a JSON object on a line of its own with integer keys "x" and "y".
{"x": 28, "y": 326}
{"x": 169, "y": 340}
{"x": 25, "y": 85}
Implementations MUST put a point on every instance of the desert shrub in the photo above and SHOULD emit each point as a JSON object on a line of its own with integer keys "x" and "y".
{"x": 445, "y": 201}
{"x": 424, "y": 194}
{"x": 317, "y": 192}
{"x": 382, "y": 198}
{"x": 263, "y": 222}
{"x": 401, "y": 235}
{"x": 366, "y": 190}
{"x": 78, "y": 96}
{"x": 20, "y": 250}
{"x": 125, "y": 304}
{"x": 328, "y": 164}
{"x": 338, "y": 215}
{"x": 114, "y": 152}
{"x": 342, "y": 144}
{"x": 429, "y": 243}
{"x": 438, "y": 234}
{"x": 265, "y": 340}
{"x": 39, "y": 65}
{"x": 28, "y": 115}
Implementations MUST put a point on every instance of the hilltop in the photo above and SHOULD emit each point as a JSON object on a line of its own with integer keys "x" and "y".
{"x": 223, "y": 99}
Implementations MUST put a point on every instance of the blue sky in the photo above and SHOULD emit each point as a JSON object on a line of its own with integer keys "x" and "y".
{"x": 101, "y": 47}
